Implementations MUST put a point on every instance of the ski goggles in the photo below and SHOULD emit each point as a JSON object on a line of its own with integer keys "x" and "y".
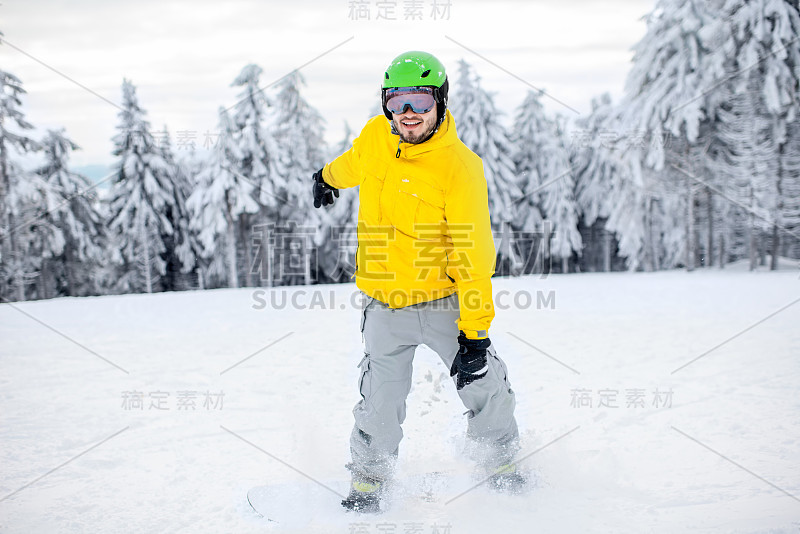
{"x": 419, "y": 99}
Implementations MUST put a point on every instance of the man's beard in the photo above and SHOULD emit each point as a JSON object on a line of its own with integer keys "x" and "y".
{"x": 421, "y": 138}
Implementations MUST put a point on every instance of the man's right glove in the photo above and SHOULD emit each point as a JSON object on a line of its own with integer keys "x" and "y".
{"x": 323, "y": 193}
{"x": 470, "y": 363}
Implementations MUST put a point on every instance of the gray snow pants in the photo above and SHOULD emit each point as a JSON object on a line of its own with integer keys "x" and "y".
{"x": 390, "y": 338}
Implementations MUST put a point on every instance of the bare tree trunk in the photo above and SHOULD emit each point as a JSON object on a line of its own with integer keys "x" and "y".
{"x": 649, "y": 247}
{"x": 752, "y": 235}
{"x": 5, "y": 223}
{"x": 710, "y": 236}
{"x": 546, "y": 232}
{"x": 17, "y": 262}
{"x": 689, "y": 226}
{"x": 607, "y": 252}
{"x": 752, "y": 247}
{"x": 148, "y": 279}
{"x": 230, "y": 244}
{"x": 68, "y": 270}
{"x": 248, "y": 249}
{"x": 778, "y": 212}
{"x": 44, "y": 275}
{"x": 722, "y": 258}
{"x": 773, "y": 266}
{"x": 268, "y": 260}
{"x": 307, "y": 267}
{"x": 19, "y": 278}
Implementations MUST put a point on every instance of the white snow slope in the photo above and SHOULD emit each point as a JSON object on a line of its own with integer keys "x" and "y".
{"x": 77, "y": 454}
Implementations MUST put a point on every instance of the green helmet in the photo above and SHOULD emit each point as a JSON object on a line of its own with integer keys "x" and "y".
{"x": 414, "y": 69}
{"x": 417, "y": 69}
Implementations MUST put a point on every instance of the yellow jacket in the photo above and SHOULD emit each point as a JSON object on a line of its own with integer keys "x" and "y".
{"x": 423, "y": 220}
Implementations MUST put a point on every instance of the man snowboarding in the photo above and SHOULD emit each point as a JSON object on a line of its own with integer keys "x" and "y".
{"x": 424, "y": 261}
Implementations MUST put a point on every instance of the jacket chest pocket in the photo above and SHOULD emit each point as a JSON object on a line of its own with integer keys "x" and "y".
{"x": 418, "y": 209}
{"x": 370, "y": 192}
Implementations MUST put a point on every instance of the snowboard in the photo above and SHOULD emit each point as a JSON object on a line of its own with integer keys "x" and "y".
{"x": 299, "y": 504}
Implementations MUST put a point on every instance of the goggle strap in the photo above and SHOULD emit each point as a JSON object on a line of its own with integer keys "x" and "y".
{"x": 435, "y": 92}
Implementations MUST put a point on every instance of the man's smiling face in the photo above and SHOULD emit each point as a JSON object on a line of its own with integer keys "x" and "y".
{"x": 414, "y": 127}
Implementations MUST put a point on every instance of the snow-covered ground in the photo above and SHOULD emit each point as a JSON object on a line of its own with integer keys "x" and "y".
{"x": 712, "y": 446}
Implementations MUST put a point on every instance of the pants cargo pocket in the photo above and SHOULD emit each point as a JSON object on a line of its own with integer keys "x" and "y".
{"x": 366, "y": 303}
{"x": 502, "y": 370}
{"x": 364, "y": 381}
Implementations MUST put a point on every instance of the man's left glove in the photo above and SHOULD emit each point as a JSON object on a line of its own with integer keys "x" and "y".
{"x": 470, "y": 363}
{"x": 323, "y": 193}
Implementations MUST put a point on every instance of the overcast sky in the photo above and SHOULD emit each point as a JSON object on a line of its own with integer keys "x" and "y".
{"x": 183, "y": 55}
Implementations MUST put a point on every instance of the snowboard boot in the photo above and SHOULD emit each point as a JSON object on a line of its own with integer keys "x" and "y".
{"x": 507, "y": 479}
{"x": 365, "y": 495}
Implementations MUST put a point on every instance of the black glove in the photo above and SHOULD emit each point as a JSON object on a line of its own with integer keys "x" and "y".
{"x": 323, "y": 193}
{"x": 470, "y": 363}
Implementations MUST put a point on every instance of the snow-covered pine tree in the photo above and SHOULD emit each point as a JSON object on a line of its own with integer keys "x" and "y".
{"x": 595, "y": 165}
{"x": 668, "y": 92}
{"x": 631, "y": 213}
{"x": 70, "y": 269}
{"x": 17, "y": 197}
{"x": 189, "y": 166}
{"x": 744, "y": 155}
{"x": 259, "y": 164}
{"x": 345, "y": 143}
{"x": 672, "y": 71}
{"x": 336, "y": 238}
{"x": 298, "y": 129}
{"x": 221, "y": 198}
{"x": 42, "y": 240}
{"x": 558, "y": 197}
{"x": 790, "y": 189}
{"x": 143, "y": 201}
{"x": 764, "y": 35}
{"x": 596, "y": 171}
{"x": 545, "y": 177}
{"x": 181, "y": 256}
{"x": 479, "y": 127}
{"x": 527, "y": 137}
